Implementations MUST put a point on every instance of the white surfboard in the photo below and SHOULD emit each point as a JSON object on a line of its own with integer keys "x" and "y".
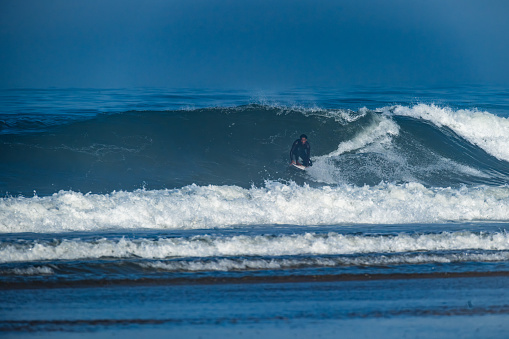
{"x": 299, "y": 166}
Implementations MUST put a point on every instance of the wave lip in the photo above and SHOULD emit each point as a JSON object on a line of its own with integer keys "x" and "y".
{"x": 488, "y": 131}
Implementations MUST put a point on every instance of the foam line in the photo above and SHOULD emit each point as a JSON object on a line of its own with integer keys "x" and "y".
{"x": 242, "y": 245}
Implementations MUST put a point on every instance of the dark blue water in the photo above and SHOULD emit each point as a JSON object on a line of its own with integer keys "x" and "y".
{"x": 143, "y": 189}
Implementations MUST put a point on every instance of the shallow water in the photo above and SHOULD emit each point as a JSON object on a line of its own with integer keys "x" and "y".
{"x": 472, "y": 307}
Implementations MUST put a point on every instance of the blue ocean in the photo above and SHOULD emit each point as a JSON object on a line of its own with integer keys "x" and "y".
{"x": 176, "y": 213}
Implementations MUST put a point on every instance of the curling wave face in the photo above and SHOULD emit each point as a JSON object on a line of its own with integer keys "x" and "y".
{"x": 246, "y": 145}
{"x": 489, "y": 132}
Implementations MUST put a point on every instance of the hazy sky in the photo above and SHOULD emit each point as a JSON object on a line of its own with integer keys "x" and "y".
{"x": 246, "y": 44}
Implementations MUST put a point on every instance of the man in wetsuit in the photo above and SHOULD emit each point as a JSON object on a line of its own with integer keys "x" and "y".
{"x": 302, "y": 149}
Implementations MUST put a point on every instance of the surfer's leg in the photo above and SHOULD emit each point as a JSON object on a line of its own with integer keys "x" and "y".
{"x": 296, "y": 156}
{"x": 305, "y": 160}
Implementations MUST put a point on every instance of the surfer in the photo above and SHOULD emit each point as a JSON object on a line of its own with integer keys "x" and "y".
{"x": 301, "y": 149}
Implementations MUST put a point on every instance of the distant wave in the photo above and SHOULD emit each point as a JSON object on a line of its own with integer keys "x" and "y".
{"x": 227, "y": 264}
{"x": 250, "y": 263}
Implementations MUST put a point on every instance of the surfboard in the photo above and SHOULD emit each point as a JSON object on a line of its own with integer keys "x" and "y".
{"x": 299, "y": 166}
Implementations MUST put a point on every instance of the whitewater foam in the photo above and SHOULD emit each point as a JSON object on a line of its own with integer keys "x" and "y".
{"x": 227, "y": 264}
{"x": 28, "y": 271}
{"x": 381, "y": 132}
{"x": 374, "y": 138}
{"x": 201, "y": 246}
{"x": 195, "y": 207}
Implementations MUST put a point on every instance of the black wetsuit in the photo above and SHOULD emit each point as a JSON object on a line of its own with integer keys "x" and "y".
{"x": 301, "y": 150}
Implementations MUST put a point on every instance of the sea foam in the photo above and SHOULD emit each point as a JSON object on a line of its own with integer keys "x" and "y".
{"x": 310, "y": 243}
{"x": 201, "y": 207}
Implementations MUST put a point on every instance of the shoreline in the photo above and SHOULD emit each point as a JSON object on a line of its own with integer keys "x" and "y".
{"x": 247, "y": 280}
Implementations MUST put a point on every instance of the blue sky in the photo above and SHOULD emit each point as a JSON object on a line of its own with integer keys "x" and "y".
{"x": 252, "y": 44}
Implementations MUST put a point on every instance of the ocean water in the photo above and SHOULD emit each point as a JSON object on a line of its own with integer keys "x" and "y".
{"x": 159, "y": 211}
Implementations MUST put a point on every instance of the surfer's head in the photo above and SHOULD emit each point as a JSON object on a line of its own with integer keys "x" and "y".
{"x": 303, "y": 138}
